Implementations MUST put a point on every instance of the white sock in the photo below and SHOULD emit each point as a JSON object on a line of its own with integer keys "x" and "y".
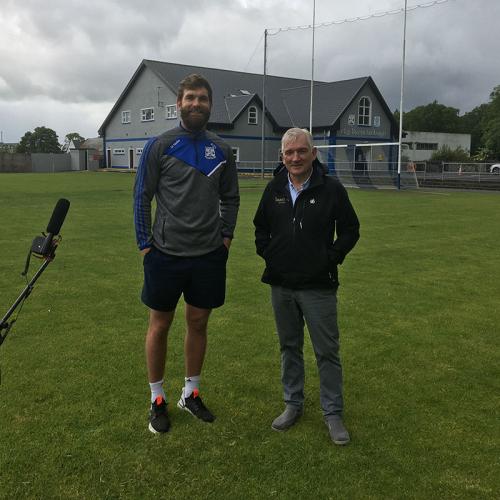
{"x": 157, "y": 390}
{"x": 190, "y": 384}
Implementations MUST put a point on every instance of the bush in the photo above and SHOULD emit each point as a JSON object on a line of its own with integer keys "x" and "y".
{"x": 448, "y": 154}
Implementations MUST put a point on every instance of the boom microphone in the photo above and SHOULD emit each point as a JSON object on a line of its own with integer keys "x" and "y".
{"x": 54, "y": 225}
{"x": 58, "y": 216}
{"x": 43, "y": 247}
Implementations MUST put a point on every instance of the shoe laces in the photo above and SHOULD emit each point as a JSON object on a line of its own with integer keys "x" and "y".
{"x": 159, "y": 405}
{"x": 196, "y": 401}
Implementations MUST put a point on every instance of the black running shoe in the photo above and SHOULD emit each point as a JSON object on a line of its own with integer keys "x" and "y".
{"x": 158, "y": 416}
{"x": 194, "y": 405}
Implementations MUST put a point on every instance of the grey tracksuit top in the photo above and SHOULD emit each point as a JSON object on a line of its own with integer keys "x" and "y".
{"x": 194, "y": 181}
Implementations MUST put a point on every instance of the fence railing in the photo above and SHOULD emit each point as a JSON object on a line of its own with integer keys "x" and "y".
{"x": 255, "y": 167}
{"x": 413, "y": 174}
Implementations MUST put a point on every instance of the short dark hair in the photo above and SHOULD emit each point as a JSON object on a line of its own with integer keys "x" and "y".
{"x": 192, "y": 82}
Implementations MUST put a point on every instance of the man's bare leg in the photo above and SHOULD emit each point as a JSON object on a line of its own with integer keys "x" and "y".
{"x": 195, "y": 345}
{"x": 156, "y": 343}
{"x": 195, "y": 342}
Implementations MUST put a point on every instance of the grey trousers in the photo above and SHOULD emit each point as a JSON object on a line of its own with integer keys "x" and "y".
{"x": 318, "y": 308}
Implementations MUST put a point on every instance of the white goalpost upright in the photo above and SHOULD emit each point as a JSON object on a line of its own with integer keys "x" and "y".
{"x": 395, "y": 167}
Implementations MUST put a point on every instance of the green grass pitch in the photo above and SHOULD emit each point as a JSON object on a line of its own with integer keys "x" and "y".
{"x": 420, "y": 325}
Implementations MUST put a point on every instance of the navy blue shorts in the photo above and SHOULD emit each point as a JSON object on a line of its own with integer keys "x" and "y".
{"x": 201, "y": 279}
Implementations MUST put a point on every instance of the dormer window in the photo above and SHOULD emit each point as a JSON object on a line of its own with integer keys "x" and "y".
{"x": 253, "y": 117}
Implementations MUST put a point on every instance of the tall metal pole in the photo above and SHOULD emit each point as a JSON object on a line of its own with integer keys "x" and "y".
{"x": 312, "y": 69}
{"x": 263, "y": 144}
{"x": 401, "y": 98}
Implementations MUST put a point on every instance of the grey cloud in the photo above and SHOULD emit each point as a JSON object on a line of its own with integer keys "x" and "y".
{"x": 70, "y": 51}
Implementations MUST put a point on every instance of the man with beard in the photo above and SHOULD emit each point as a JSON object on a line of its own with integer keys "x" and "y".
{"x": 192, "y": 175}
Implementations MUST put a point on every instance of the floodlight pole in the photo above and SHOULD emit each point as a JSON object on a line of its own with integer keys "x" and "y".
{"x": 312, "y": 70}
{"x": 263, "y": 144}
{"x": 401, "y": 98}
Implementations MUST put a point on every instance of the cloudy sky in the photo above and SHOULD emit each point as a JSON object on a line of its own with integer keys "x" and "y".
{"x": 63, "y": 63}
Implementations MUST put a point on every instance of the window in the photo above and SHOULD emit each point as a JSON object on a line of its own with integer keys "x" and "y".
{"x": 427, "y": 146}
{"x": 364, "y": 112}
{"x": 252, "y": 115}
{"x": 138, "y": 151}
{"x": 236, "y": 154}
{"x": 118, "y": 151}
{"x": 171, "y": 112}
{"x": 147, "y": 115}
{"x": 126, "y": 116}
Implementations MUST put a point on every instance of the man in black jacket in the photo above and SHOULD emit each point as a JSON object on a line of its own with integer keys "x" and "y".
{"x": 299, "y": 215}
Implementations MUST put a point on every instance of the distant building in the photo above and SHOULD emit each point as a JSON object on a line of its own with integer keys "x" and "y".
{"x": 87, "y": 154}
{"x": 8, "y": 147}
{"x": 421, "y": 145}
{"x": 344, "y": 112}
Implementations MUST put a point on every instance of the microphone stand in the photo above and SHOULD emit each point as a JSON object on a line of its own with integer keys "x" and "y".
{"x": 4, "y": 324}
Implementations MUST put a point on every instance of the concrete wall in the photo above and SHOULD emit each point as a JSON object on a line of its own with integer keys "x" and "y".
{"x": 15, "y": 162}
{"x": 50, "y": 162}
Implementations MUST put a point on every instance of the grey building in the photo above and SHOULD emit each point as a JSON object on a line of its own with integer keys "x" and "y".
{"x": 345, "y": 113}
{"x": 421, "y": 145}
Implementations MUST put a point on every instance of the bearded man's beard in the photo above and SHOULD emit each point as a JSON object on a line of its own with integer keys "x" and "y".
{"x": 194, "y": 122}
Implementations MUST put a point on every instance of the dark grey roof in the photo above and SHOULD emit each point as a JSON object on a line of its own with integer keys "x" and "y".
{"x": 287, "y": 99}
{"x": 234, "y": 104}
{"x": 329, "y": 101}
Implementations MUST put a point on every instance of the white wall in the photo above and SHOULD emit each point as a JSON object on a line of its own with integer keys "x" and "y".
{"x": 438, "y": 138}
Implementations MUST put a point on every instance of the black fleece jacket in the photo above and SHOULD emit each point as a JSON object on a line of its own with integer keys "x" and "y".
{"x": 298, "y": 241}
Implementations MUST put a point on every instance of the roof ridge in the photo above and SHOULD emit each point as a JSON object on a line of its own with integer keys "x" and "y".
{"x": 229, "y": 70}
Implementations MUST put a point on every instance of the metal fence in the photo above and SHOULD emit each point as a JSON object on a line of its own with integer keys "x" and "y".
{"x": 413, "y": 174}
{"x": 255, "y": 167}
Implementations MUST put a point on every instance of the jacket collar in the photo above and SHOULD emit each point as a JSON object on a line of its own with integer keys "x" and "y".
{"x": 317, "y": 177}
{"x": 199, "y": 133}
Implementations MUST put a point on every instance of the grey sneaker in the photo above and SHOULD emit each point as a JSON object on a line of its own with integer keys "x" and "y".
{"x": 287, "y": 418}
{"x": 338, "y": 432}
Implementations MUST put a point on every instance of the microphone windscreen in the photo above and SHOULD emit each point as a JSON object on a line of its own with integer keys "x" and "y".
{"x": 58, "y": 216}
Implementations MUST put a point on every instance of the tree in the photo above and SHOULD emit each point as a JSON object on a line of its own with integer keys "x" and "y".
{"x": 473, "y": 123}
{"x": 491, "y": 123}
{"x": 433, "y": 117}
{"x": 483, "y": 123}
{"x": 41, "y": 140}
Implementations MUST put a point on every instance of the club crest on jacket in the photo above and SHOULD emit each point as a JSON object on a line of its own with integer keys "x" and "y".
{"x": 210, "y": 152}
